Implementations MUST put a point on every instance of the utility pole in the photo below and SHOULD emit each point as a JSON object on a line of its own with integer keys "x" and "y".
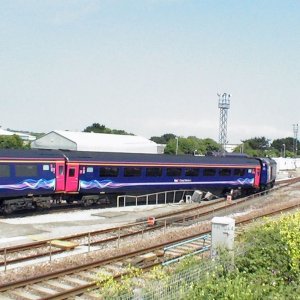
{"x": 224, "y": 105}
{"x": 295, "y": 144}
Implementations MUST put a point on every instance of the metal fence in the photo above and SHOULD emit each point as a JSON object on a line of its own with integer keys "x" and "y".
{"x": 174, "y": 288}
{"x": 177, "y": 286}
{"x": 154, "y": 198}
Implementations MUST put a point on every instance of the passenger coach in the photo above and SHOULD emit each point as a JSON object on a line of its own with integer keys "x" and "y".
{"x": 37, "y": 178}
{"x": 91, "y": 174}
{"x": 27, "y": 177}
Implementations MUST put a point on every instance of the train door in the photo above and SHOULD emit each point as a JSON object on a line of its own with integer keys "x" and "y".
{"x": 257, "y": 178}
{"x": 60, "y": 176}
{"x": 72, "y": 178}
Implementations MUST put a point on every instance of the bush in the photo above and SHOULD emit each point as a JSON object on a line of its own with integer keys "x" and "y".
{"x": 268, "y": 269}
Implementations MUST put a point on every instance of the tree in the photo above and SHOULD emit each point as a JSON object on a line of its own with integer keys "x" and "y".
{"x": 164, "y": 139}
{"x": 258, "y": 143}
{"x": 12, "y": 142}
{"x": 97, "y": 128}
{"x": 191, "y": 145}
{"x": 257, "y": 146}
{"x": 286, "y": 145}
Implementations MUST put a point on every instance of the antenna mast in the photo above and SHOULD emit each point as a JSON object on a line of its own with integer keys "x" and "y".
{"x": 295, "y": 144}
{"x": 224, "y": 105}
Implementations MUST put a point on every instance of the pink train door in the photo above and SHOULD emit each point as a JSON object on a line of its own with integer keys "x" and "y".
{"x": 72, "y": 178}
{"x": 60, "y": 176}
{"x": 257, "y": 177}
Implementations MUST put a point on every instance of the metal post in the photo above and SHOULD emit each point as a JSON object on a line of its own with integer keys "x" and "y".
{"x": 119, "y": 233}
{"x": 166, "y": 193}
{"x": 176, "y": 145}
{"x": 50, "y": 252}
{"x": 156, "y": 198}
{"x": 5, "y": 259}
{"x": 89, "y": 242}
{"x": 295, "y": 144}
{"x": 125, "y": 200}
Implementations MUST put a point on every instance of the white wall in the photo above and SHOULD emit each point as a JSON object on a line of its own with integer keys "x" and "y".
{"x": 287, "y": 163}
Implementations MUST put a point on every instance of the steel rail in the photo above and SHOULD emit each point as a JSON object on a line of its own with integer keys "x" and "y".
{"x": 102, "y": 262}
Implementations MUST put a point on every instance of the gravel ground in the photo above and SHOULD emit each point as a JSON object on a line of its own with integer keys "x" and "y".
{"x": 270, "y": 203}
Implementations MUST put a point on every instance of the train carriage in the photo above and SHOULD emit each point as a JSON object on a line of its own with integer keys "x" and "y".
{"x": 37, "y": 178}
{"x": 91, "y": 173}
{"x": 28, "y": 176}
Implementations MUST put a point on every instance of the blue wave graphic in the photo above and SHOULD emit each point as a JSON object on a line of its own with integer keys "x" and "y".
{"x": 30, "y": 184}
{"x": 95, "y": 184}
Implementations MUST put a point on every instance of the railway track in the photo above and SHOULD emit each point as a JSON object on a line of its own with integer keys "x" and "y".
{"x": 101, "y": 238}
{"x": 75, "y": 280}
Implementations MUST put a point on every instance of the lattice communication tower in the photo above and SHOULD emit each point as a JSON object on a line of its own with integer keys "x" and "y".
{"x": 295, "y": 144}
{"x": 224, "y": 105}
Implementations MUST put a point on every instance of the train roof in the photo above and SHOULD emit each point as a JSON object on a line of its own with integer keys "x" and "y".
{"x": 30, "y": 154}
{"x": 82, "y": 156}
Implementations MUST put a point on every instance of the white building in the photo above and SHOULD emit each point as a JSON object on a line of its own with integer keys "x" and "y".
{"x": 24, "y": 136}
{"x": 90, "y": 141}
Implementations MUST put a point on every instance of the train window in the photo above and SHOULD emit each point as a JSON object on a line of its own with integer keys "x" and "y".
{"x": 46, "y": 167}
{"x": 209, "y": 172}
{"x": 89, "y": 169}
{"x": 4, "y": 171}
{"x": 192, "y": 172}
{"x": 71, "y": 172}
{"x": 238, "y": 172}
{"x": 132, "y": 172}
{"x": 109, "y": 172}
{"x": 153, "y": 172}
{"x": 225, "y": 172}
{"x": 61, "y": 170}
{"x": 26, "y": 170}
{"x": 174, "y": 171}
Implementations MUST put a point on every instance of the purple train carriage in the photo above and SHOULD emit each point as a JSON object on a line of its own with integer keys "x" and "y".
{"x": 38, "y": 178}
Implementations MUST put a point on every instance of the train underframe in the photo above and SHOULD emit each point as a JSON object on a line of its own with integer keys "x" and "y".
{"x": 8, "y": 206}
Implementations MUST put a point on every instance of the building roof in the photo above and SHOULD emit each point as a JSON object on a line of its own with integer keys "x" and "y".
{"x": 5, "y": 132}
{"x": 23, "y": 136}
{"x": 90, "y": 141}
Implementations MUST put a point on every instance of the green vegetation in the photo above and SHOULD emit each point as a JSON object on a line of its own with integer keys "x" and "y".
{"x": 12, "y": 142}
{"x": 257, "y": 146}
{"x": 189, "y": 145}
{"x": 261, "y": 147}
{"x": 269, "y": 268}
{"x": 97, "y": 128}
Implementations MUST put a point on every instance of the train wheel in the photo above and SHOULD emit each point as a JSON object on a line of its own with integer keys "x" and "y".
{"x": 8, "y": 209}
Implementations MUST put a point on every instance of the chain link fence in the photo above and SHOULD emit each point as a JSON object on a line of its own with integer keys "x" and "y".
{"x": 177, "y": 286}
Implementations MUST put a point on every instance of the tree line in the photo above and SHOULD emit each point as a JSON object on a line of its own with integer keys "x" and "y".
{"x": 256, "y": 146}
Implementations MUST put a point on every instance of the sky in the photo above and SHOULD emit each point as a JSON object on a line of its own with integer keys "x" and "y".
{"x": 151, "y": 67}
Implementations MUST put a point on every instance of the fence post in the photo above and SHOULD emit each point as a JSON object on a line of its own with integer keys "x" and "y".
{"x": 119, "y": 233}
{"x": 5, "y": 260}
{"x": 50, "y": 252}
